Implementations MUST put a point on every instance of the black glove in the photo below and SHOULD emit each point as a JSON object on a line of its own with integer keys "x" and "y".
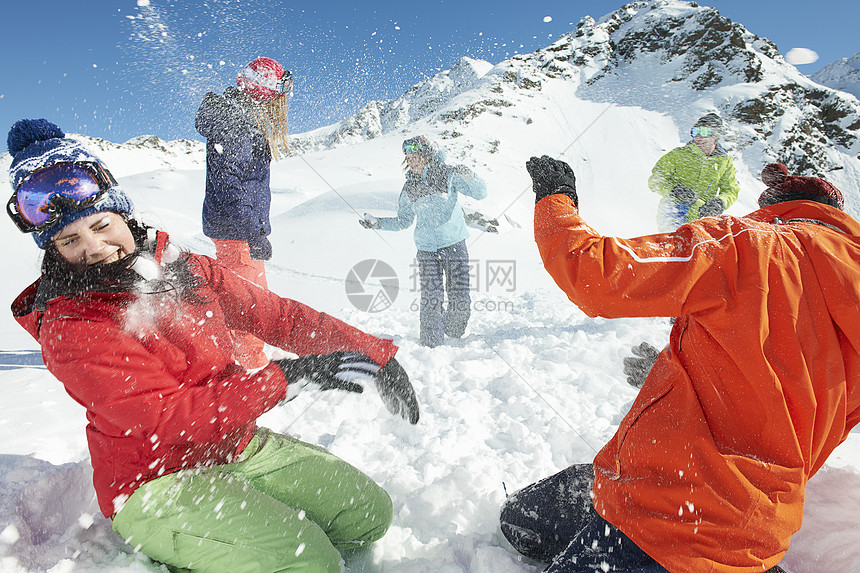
{"x": 682, "y": 194}
{"x": 261, "y": 249}
{"x": 338, "y": 370}
{"x": 639, "y": 365}
{"x": 369, "y": 222}
{"x": 396, "y": 392}
{"x": 551, "y": 176}
{"x": 712, "y": 208}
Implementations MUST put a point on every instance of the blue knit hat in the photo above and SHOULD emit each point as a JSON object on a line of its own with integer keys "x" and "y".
{"x": 38, "y": 143}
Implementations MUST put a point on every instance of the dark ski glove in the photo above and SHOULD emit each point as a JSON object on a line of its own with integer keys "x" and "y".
{"x": 396, "y": 392}
{"x": 338, "y": 370}
{"x": 261, "y": 249}
{"x": 639, "y": 365}
{"x": 712, "y": 208}
{"x": 369, "y": 221}
{"x": 551, "y": 176}
{"x": 682, "y": 194}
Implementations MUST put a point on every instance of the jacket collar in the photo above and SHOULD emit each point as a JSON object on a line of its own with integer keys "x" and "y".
{"x": 32, "y": 302}
{"x": 719, "y": 150}
{"x": 807, "y": 212}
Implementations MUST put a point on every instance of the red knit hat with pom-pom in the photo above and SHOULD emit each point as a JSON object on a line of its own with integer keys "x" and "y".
{"x": 264, "y": 79}
{"x": 773, "y": 174}
{"x": 784, "y": 187}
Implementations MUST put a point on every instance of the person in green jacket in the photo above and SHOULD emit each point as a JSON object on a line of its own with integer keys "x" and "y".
{"x": 696, "y": 180}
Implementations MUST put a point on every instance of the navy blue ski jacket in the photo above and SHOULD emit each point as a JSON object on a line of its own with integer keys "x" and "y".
{"x": 238, "y": 161}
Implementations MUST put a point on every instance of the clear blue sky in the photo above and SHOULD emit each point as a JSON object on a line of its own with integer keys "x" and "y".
{"x": 117, "y": 69}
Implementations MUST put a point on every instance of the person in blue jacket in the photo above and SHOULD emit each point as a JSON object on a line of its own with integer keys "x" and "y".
{"x": 430, "y": 199}
{"x": 244, "y": 129}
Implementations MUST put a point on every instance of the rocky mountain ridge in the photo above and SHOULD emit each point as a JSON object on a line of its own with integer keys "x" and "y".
{"x": 843, "y": 74}
{"x": 676, "y": 58}
{"x": 673, "y": 57}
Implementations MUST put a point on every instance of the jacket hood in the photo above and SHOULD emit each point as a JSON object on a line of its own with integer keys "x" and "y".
{"x": 24, "y": 310}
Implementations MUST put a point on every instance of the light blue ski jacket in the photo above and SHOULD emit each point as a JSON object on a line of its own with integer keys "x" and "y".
{"x": 432, "y": 201}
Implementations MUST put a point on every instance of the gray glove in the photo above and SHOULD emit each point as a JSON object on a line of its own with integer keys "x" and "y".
{"x": 682, "y": 194}
{"x": 639, "y": 365}
{"x": 369, "y": 222}
{"x": 396, "y": 391}
{"x": 712, "y": 208}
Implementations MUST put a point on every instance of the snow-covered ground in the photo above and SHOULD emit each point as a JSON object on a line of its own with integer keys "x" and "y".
{"x": 533, "y": 387}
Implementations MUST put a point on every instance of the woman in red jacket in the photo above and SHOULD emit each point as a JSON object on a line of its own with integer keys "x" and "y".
{"x": 139, "y": 334}
{"x": 759, "y": 383}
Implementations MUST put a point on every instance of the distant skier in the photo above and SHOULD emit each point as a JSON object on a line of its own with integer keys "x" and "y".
{"x": 244, "y": 129}
{"x": 696, "y": 180}
{"x": 430, "y": 196}
{"x": 759, "y": 383}
{"x": 138, "y": 332}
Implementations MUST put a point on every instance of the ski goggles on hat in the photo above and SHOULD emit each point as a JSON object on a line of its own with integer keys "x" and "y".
{"x": 704, "y": 131}
{"x": 42, "y": 196}
{"x": 283, "y": 85}
{"x": 411, "y": 146}
{"x": 415, "y": 146}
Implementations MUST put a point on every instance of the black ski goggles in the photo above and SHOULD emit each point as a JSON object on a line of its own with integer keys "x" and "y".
{"x": 42, "y": 196}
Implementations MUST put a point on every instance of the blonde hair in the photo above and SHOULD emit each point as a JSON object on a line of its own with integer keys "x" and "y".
{"x": 272, "y": 120}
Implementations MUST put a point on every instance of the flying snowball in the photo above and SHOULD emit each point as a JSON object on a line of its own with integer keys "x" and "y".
{"x": 142, "y": 3}
{"x": 9, "y": 535}
{"x": 547, "y": 19}
{"x": 797, "y": 56}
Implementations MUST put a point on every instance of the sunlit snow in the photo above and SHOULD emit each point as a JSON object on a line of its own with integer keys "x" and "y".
{"x": 533, "y": 387}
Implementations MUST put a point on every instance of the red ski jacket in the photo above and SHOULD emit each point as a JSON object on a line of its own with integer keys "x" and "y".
{"x": 759, "y": 383}
{"x": 157, "y": 377}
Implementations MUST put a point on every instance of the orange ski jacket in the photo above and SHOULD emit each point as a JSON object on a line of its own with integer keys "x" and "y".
{"x": 759, "y": 383}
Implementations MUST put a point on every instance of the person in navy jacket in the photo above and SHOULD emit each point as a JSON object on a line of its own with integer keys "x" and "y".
{"x": 244, "y": 129}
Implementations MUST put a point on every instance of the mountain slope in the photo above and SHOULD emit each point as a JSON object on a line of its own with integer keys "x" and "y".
{"x": 842, "y": 75}
{"x": 675, "y": 58}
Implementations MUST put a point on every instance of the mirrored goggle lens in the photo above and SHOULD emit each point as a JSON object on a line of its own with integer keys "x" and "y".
{"x": 34, "y": 195}
{"x": 703, "y": 131}
{"x": 411, "y": 147}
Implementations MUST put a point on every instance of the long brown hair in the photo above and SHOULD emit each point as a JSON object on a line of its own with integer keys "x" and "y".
{"x": 272, "y": 120}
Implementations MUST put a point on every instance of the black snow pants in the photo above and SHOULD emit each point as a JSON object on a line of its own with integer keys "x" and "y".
{"x": 554, "y": 521}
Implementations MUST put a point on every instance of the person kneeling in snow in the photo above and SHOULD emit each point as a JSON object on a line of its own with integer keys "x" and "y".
{"x": 759, "y": 383}
{"x": 138, "y": 332}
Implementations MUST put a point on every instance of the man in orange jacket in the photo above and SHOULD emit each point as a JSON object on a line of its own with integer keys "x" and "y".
{"x": 759, "y": 383}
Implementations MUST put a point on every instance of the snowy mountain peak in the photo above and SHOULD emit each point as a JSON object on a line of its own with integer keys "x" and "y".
{"x": 842, "y": 75}
{"x": 704, "y": 48}
{"x": 672, "y": 57}
{"x": 150, "y": 152}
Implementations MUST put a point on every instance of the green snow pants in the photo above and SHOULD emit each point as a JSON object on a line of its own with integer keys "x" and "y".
{"x": 284, "y": 505}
